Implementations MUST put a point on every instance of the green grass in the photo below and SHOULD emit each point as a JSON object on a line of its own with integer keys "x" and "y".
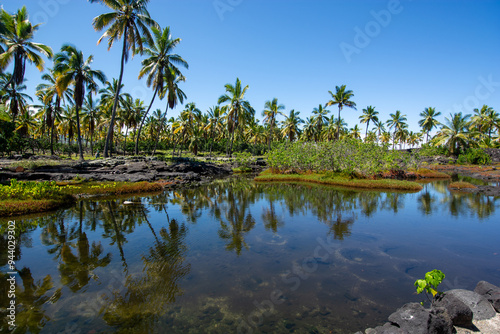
{"x": 461, "y": 185}
{"x": 240, "y": 170}
{"x": 340, "y": 180}
{"x": 108, "y": 188}
{"x": 17, "y": 207}
{"x": 432, "y": 174}
{"x": 30, "y": 197}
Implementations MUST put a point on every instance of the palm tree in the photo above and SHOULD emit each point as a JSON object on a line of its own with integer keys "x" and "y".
{"x": 108, "y": 95}
{"x": 90, "y": 117}
{"x": 454, "y": 133}
{"x": 13, "y": 98}
{"x": 129, "y": 19}
{"x": 369, "y": 114}
{"x": 308, "y": 131}
{"x": 17, "y": 38}
{"x": 238, "y": 109}
{"x": 272, "y": 108}
{"x": 379, "y": 128}
{"x": 341, "y": 98}
{"x": 429, "y": 121}
{"x": 73, "y": 69}
{"x": 484, "y": 120}
{"x": 160, "y": 62}
{"x": 319, "y": 116}
{"x": 290, "y": 126}
{"x": 397, "y": 122}
{"x": 173, "y": 93}
{"x": 214, "y": 116}
{"x": 355, "y": 132}
{"x": 49, "y": 92}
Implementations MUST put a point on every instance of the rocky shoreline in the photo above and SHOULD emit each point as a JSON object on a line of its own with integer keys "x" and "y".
{"x": 455, "y": 311}
{"x": 188, "y": 171}
{"x": 124, "y": 169}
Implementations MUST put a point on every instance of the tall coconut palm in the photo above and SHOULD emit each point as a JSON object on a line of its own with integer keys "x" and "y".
{"x": 91, "y": 117}
{"x": 159, "y": 63}
{"x": 369, "y": 114}
{"x": 272, "y": 109}
{"x": 129, "y": 20}
{"x": 342, "y": 98}
{"x": 396, "y": 121}
{"x": 14, "y": 99}
{"x": 319, "y": 116}
{"x": 75, "y": 70}
{"x": 429, "y": 121}
{"x": 238, "y": 109}
{"x": 214, "y": 123}
{"x": 454, "y": 133}
{"x": 290, "y": 126}
{"x": 51, "y": 96}
{"x": 173, "y": 93}
{"x": 492, "y": 120}
{"x": 484, "y": 120}
{"x": 355, "y": 132}
{"x": 19, "y": 47}
{"x": 379, "y": 128}
{"x": 108, "y": 95}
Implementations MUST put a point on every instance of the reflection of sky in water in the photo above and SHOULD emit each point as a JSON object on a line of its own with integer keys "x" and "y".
{"x": 208, "y": 258}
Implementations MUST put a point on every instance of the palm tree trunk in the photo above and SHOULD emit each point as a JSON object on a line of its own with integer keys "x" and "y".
{"x": 109, "y": 137}
{"x": 92, "y": 143}
{"x": 338, "y": 127}
{"x": 136, "y": 152}
{"x": 125, "y": 143}
{"x": 160, "y": 129}
{"x": 78, "y": 133}
{"x": 366, "y": 132}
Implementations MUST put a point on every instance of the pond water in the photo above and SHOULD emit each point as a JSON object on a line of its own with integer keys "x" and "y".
{"x": 239, "y": 257}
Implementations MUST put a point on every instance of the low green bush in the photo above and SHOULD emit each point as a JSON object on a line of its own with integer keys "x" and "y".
{"x": 30, "y": 190}
{"x": 474, "y": 156}
{"x": 349, "y": 156}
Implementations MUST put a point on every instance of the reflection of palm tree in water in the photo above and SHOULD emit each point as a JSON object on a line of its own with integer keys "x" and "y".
{"x": 341, "y": 227}
{"x": 270, "y": 219}
{"x": 76, "y": 271}
{"x": 30, "y": 313}
{"x": 426, "y": 200}
{"x": 239, "y": 222}
{"x": 146, "y": 297}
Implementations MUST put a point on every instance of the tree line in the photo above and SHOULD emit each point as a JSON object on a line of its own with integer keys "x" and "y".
{"x": 78, "y": 109}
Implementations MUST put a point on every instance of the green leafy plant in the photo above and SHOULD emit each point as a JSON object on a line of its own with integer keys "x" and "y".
{"x": 243, "y": 159}
{"x": 430, "y": 284}
{"x": 474, "y": 156}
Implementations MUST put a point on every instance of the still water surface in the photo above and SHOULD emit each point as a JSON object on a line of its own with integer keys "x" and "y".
{"x": 235, "y": 256}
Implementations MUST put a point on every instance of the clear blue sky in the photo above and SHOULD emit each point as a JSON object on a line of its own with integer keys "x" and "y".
{"x": 426, "y": 53}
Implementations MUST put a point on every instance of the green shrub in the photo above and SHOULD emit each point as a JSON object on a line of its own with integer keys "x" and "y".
{"x": 474, "y": 156}
{"x": 428, "y": 150}
{"x": 243, "y": 159}
{"x": 30, "y": 190}
{"x": 348, "y": 156}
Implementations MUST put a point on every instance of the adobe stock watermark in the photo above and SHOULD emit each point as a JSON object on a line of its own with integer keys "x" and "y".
{"x": 223, "y": 6}
{"x": 49, "y": 9}
{"x": 294, "y": 279}
{"x": 364, "y": 36}
{"x": 484, "y": 90}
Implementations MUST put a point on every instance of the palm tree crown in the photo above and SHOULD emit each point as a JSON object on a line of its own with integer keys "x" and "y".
{"x": 17, "y": 37}
{"x": 342, "y": 98}
{"x": 429, "y": 121}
